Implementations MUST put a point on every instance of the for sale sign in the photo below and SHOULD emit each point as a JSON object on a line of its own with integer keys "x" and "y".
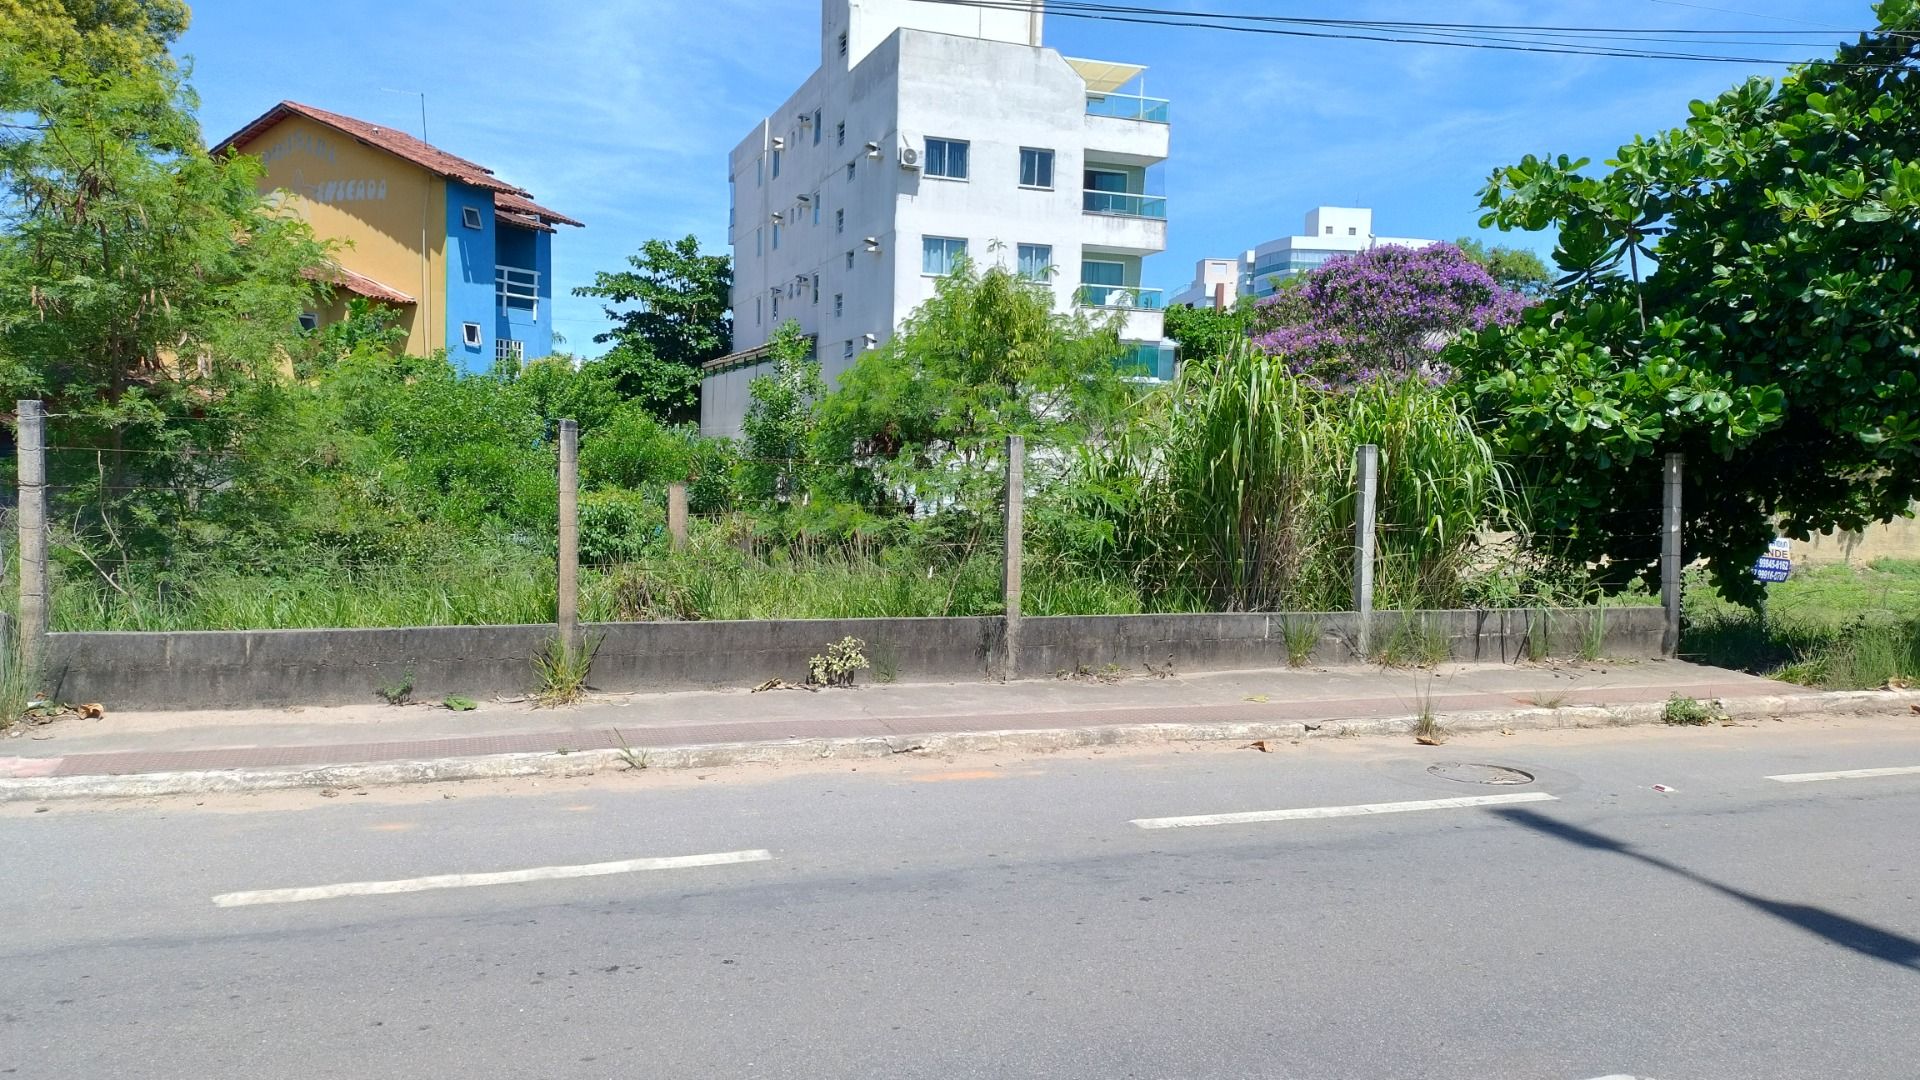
{"x": 1777, "y": 564}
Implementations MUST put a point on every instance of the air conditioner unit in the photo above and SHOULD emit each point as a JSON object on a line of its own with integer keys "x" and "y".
{"x": 873, "y": 243}
{"x": 873, "y": 150}
{"x": 869, "y": 340}
{"x": 803, "y": 199}
{"x": 909, "y": 158}
{"x": 779, "y": 142}
{"x": 778, "y": 218}
{"x": 806, "y": 119}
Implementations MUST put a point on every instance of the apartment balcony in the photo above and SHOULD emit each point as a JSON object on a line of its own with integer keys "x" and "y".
{"x": 1125, "y": 297}
{"x": 1124, "y": 222}
{"x": 1136, "y": 107}
{"x": 1127, "y": 128}
{"x": 1139, "y": 309}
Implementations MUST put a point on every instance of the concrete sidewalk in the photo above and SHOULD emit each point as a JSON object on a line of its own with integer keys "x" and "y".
{"x": 135, "y": 743}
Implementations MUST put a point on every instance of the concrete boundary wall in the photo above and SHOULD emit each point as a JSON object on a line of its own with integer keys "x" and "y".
{"x": 240, "y": 668}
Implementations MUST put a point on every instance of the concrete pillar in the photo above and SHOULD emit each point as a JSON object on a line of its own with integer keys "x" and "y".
{"x": 569, "y": 575}
{"x": 1015, "y": 525}
{"x": 1670, "y": 563}
{"x": 32, "y": 443}
{"x": 677, "y": 515}
{"x": 1366, "y": 472}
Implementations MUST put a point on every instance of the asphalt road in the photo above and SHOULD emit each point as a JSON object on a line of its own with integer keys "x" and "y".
{"x": 1005, "y": 918}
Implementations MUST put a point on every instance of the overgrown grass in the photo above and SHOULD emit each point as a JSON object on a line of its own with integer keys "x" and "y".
{"x": 1837, "y": 627}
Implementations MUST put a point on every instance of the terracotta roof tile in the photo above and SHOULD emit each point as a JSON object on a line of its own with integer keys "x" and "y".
{"x": 398, "y": 143}
{"x": 509, "y": 204}
{"x": 359, "y": 284}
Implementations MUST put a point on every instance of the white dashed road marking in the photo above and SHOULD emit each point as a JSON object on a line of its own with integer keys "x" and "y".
{"x": 1845, "y": 774}
{"x": 1313, "y": 812}
{"x": 506, "y": 877}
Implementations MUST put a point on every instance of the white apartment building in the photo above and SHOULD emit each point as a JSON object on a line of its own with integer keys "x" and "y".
{"x": 932, "y": 129}
{"x": 1328, "y": 231}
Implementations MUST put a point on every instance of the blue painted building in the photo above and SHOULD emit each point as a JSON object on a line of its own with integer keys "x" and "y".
{"x": 464, "y": 258}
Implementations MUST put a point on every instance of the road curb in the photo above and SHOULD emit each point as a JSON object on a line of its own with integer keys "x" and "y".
{"x": 564, "y": 764}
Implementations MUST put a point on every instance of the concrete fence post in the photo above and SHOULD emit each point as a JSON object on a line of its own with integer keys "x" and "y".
{"x": 1366, "y": 472}
{"x": 32, "y": 443}
{"x": 569, "y": 570}
{"x": 1010, "y": 580}
{"x": 1670, "y": 563}
{"x": 677, "y": 515}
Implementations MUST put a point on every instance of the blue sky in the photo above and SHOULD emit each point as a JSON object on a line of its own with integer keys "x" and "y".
{"x": 622, "y": 114}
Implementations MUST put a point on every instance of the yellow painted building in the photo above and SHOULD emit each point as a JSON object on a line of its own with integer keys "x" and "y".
{"x": 463, "y": 257}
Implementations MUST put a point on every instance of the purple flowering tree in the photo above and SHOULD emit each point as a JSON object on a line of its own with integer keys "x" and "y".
{"x": 1383, "y": 312}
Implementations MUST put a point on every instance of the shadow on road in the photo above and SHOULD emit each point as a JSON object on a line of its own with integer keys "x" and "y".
{"x": 1861, "y": 937}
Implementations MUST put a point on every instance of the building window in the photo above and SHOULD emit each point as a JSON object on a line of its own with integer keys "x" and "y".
{"x": 816, "y": 127}
{"x": 1036, "y": 261}
{"x": 1353, "y": 230}
{"x": 850, "y": 166}
{"x": 470, "y": 333}
{"x": 1036, "y": 168}
{"x": 839, "y": 304}
{"x": 507, "y": 350}
{"x": 839, "y": 221}
{"x": 846, "y": 350}
{"x": 938, "y": 253}
{"x": 816, "y": 288}
{"x": 776, "y": 237}
{"x": 309, "y": 320}
{"x": 843, "y": 43}
{"x": 776, "y": 305}
{"x": 1329, "y": 230}
{"x": 849, "y": 260}
{"x": 840, "y": 133}
{"x": 756, "y": 311}
{"x": 947, "y": 159}
{"x": 776, "y": 164}
{"x": 757, "y": 241}
{"x": 470, "y": 217}
{"x": 759, "y": 170}
{"x": 816, "y": 208}
{"x": 517, "y": 288}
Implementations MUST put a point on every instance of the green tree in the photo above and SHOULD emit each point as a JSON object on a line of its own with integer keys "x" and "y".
{"x": 1774, "y": 339}
{"x": 986, "y": 357}
{"x": 779, "y": 424}
{"x": 672, "y": 314}
{"x": 147, "y": 291}
{"x": 1516, "y": 268}
{"x": 1203, "y": 332}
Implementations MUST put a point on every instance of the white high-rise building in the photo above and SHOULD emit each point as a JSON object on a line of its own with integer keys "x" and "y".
{"x": 929, "y": 130}
{"x": 1328, "y": 231}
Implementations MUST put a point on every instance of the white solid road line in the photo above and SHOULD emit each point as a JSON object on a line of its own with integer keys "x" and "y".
{"x": 505, "y": 877}
{"x": 1312, "y": 812}
{"x": 1845, "y": 774}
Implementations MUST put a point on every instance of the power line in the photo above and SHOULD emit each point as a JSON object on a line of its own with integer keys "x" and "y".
{"x": 1502, "y": 37}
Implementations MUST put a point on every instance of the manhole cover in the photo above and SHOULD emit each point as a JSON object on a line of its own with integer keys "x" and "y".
{"x": 1469, "y": 773}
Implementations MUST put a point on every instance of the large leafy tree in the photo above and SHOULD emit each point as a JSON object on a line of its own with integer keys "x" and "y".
{"x": 1204, "y": 332}
{"x": 986, "y": 357}
{"x": 148, "y": 293}
{"x": 1384, "y": 312}
{"x": 1515, "y": 268}
{"x": 672, "y": 313}
{"x": 1741, "y": 289}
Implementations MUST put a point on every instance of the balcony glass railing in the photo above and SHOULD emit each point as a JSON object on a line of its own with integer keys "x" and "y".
{"x": 1130, "y": 297}
{"x": 1124, "y": 205}
{"x": 1152, "y": 110}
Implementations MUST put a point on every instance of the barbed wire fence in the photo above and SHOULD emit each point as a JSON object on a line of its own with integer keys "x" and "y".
{"x": 975, "y": 563}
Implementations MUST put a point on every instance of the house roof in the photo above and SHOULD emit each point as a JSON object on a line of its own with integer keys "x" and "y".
{"x": 523, "y": 211}
{"x": 359, "y": 284}
{"x": 508, "y": 199}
